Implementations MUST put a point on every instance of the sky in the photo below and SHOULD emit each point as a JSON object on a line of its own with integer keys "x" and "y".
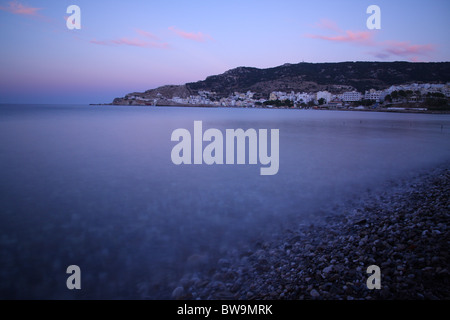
{"x": 136, "y": 45}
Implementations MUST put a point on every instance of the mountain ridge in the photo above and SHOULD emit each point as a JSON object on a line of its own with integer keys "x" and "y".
{"x": 335, "y": 77}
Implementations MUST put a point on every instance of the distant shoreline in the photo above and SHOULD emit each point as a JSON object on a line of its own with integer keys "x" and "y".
{"x": 278, "y": 108}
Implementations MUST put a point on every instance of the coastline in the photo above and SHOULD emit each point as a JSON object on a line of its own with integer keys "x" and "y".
{"x": 404, "y": 231}
{"x": 277, "y": 108}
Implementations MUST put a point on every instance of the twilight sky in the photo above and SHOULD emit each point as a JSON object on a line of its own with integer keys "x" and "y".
{"x": 135, "y": 45}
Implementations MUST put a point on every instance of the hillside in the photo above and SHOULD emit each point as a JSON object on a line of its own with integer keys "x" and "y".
{"x": 310, "y": 77}
{"x": 307, "y": 76}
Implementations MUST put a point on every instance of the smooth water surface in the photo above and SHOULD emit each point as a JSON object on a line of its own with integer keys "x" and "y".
{"x": 95, "y": 186}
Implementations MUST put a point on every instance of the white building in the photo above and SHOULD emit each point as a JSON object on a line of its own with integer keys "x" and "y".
{"x": 279, "y": 95}
{"x": 324, "y": 95}
{"x": 179, "y": 100}
{"x": 446, "y": 91}
{"x": 373, "y": 95}
{"x": 304, "y": 97}
{"x": 351, "y": 96}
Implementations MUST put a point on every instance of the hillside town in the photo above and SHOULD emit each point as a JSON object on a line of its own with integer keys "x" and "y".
{"x": 395, "y": 97}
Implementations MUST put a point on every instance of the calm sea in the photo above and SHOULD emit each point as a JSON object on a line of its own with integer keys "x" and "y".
{"x": 95, "y": 186}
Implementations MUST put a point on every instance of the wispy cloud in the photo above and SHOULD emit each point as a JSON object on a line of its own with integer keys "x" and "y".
{"x": 100, "y": 42}
{"x": 147, "y": 34}
{"x": 328, "y": 25}
{"x": 199, "y": 36}
{"x": 17, "y": 8}
{"x": 389, "y": 49}
{"x": 406, "y": 48}
{"x": 361, "y": 37}
{"x": 135, "y": 42}
{"x": 380, "y": 49}
{"x": 140, "y": 43}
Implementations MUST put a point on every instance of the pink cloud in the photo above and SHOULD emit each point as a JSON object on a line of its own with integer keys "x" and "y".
{"x": 386, "y": 49}
{"x": 147, "y": 34}
{"x": 328, "y": 25}
{"x": 17, "y": 8}
{"x": 405, "y": 48}
{"x": 136, "y": 42}
{"x": 379, "y": 55}
{"x": 139, "y": 43}
{"x": 132, "y": 42}
{"x": 199, "y": 37}
{"x": 362, "y": 37}
{"x": 104, "y": 43}
{"x": 67, "y": 17}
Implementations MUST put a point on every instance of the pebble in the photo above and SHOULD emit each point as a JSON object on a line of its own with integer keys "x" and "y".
{"x": 403, "y": 230}
{"x": 178, "y": 293}
{"x": 314, "y": 293}
{"x": 328, "y": 269}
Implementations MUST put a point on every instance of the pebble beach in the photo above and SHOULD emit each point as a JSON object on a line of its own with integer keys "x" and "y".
{"x": 403, "y": 230}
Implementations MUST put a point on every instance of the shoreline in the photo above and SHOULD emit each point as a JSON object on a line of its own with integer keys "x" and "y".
{"x": 278, "y": 108}
{"x": 404, "y": 230}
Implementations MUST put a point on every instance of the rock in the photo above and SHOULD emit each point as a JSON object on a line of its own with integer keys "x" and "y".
{"x": 328, "y": 269}
{"x": 224, "y": 295}
{"x": 178, "y": 293}
{"x": 405, "y": 233}
{"x": 314, "y": 293}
